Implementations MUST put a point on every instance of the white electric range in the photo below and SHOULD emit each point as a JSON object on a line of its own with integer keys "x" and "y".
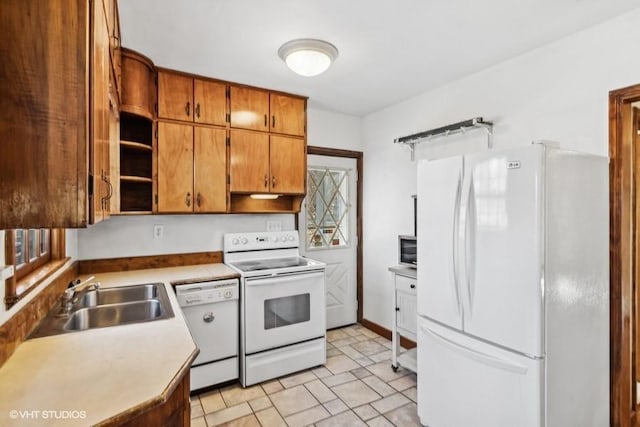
{"x": 282, "y": 305}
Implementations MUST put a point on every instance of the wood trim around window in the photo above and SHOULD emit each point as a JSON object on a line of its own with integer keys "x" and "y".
{"x": 623, "y": 178}
{"x": 335, "y": 152}
{"x": 16, "y": 288}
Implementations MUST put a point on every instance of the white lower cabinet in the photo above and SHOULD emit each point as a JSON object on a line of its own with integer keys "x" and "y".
{"x": 405, "y": 317}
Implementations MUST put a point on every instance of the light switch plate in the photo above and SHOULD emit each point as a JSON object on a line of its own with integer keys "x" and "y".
{"x": 274, "y": 225}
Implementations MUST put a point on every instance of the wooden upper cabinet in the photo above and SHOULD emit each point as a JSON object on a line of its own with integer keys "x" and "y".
{"x": 175, "y": 167}
{"x": 175, "y": 96}
{"x": 210, "y": 102}
{"x": 249, "y": 156}
{"x": 138, "y": 87}
{"x": 181, "y": 97}
{"x": 287, "y": 114}
{"x": 100, "y": 80}
{"x": 288, "y": 165}
{"x": 249, "y": 108}
{"x": 210, "y": 169}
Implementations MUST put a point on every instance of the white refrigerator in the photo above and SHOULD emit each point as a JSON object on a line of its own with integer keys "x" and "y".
{"x": 513, "y": 289}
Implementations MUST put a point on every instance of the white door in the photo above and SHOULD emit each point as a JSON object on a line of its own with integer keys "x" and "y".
{"x": 439, "y": 191}
{"x": 501, "y": 254}
{"x": 327, "y": 224}
{"x": 466, "y": 382}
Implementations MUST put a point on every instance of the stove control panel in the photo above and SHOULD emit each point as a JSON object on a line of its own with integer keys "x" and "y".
{"x": 241, "y": 242}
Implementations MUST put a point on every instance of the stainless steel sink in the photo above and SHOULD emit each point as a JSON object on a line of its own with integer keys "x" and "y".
{"x": 109, "y": 307}
{"x": 115, "y": 314}
{"x": 120, "y": 295}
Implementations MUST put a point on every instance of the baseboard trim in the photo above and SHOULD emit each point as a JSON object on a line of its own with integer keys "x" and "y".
{"x": 380, "y": 330}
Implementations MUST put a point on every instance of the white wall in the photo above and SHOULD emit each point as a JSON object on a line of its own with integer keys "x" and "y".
{"x": 333, "y": 130}
{"x": 126, "y": 236}
{"x": 558, "y": 92}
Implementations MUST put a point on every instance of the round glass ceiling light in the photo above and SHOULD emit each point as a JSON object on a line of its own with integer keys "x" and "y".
{"x": 308, "y": 57}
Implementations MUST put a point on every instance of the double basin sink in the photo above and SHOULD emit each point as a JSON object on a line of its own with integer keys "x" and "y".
{"x": 101, "y": 308}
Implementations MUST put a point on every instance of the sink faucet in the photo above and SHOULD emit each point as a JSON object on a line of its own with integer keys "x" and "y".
{"x": 69, "y": 297}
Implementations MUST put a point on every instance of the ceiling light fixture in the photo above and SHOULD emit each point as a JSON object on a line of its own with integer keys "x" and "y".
{"x": 264, "y": 196}
{"x": 308, "y": 57}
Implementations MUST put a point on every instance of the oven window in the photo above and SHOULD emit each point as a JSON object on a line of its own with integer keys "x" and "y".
{"x": 285, "y": 311}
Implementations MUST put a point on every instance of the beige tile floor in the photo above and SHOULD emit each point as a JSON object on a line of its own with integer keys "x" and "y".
{"x": 356, "y": 387}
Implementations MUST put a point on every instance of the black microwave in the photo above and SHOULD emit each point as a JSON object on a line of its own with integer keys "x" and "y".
{"x": 408, "y": 251}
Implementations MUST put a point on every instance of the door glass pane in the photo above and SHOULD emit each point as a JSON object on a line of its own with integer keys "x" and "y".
{"x": 20, "y": 247}
{"x": 285, "y": 311}
{"x": 327, "y": 208}
{"x": 33, "y": 244}
{"x": 44, "y": 241}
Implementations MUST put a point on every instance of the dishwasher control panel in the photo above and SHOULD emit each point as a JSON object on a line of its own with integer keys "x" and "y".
{"x": 206, "y": 292}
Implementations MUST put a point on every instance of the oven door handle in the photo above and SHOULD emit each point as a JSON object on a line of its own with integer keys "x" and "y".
{"x": 294, "y": 275}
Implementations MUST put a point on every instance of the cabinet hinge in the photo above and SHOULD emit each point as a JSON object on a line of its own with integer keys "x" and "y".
{"x": 228, "y": 118}
{"x": 228, "y": 92}
{"x": 155, "y": 198}
{"x": 228, "y": 142}
{"x": 156, "y": 133}
{"x": 229, "y": 179}
{"x": 90, "y": 189}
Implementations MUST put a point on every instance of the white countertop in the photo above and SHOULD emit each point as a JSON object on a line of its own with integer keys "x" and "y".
{"x": 99, "y": 373}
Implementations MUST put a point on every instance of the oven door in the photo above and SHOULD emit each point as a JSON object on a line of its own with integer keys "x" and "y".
{"x": 284, "y": 309}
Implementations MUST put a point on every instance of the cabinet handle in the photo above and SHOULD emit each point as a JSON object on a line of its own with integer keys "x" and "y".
{"x": 188, "y": 199}
{"x": 187, "y": 109}
{"x": 106, "y": 198}
{"x": 397, "y": 308}
{"x": 198, "y": 110}
{"x": 198, "y": 199}
{"x": 265, "y": 120}
{"x": 273, "y": 182}
{"x": 412, "y": 286}
{"x": 266, "y": 181}
{"x": 273, "y": 122}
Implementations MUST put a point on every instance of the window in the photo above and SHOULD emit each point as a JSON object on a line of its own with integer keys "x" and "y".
{"x": 35, "y": 254}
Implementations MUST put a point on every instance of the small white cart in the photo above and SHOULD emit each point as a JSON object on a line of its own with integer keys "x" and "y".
{"x": 405, "y": 316}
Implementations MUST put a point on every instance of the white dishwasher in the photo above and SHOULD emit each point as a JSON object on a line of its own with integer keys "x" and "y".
{"x": 211, "y": 310}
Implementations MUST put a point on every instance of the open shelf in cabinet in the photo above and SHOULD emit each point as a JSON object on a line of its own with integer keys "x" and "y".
{"x": 136, "y": 164}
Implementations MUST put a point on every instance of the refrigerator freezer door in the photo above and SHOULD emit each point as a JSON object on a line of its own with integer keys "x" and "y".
{"x": 439, "y": 190}
{"x": 465, "y": 382}
{"x": 502, "y": 251}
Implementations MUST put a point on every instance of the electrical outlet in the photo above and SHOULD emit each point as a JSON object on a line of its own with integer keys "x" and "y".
{"x": 274, "y": 225}
{"x": 158, "y": 231}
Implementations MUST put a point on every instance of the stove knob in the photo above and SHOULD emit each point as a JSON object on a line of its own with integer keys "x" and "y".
{"x": 228, "y": 294}
{"x": 276, "y": 239}
{"x": 244, "y": 240}
{"x": 235, "y": 241}
{"x": 290, "y": 238}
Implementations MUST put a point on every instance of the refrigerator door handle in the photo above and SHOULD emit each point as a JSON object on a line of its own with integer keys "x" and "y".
{"x": 470, "y": 243}
{"x": 487, "y": 359}
{"x": 454, "y": 252}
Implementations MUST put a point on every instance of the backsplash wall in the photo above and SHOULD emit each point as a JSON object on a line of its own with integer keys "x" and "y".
{"x": 127, "y": 236}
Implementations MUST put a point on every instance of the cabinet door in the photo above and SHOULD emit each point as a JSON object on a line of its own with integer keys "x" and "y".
{"x": 249, "y": 157}
{"x": 288, "y": 165}
{"x": 249, "y": 108}
{"x": 211, "y": 102}
{"x": 175, "y": 96}
{"x": 287, "y": 115}
{"x": 406, "y": 313}
{"x": 210, "y": 169}
{"x": 99, "y": 146}
{"x": 175, "y": 167}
